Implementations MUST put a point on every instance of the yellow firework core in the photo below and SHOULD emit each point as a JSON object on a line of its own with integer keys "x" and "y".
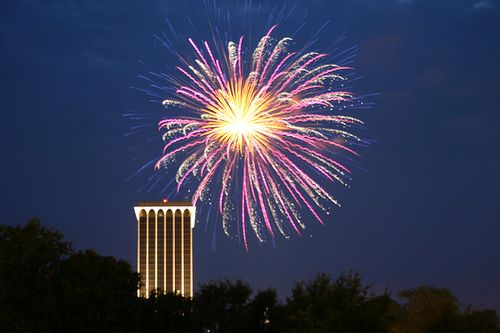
{"x": 241, "y": 118}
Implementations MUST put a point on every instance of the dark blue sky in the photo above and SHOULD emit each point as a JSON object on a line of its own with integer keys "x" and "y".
{"x": 425, "y": 211}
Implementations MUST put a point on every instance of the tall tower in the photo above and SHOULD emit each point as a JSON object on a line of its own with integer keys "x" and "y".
{"x": 165, "y": 247}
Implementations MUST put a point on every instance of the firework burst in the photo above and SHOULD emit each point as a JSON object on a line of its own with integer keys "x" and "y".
{"x": 258, "y": 136}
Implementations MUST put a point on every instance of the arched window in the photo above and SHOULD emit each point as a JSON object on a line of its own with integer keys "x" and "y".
{"x": 151, "y": 250}
{"x": 186, "y": 224}
{"x": 178, "y": 250}
{"x": 142, "y": 239}
{"x": 169, "y": 251}
{"x": 160, "y": 260}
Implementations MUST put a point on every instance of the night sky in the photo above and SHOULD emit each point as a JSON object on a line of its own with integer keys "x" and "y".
{"x": 425, "y": 209}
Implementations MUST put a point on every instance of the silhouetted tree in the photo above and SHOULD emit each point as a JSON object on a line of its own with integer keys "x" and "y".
{"x": 30, "y": 257}
{"x": 377, "y": 314}
{"x": 479, "y": 321}
{"x": 265, "y": 313}
{"x": 95, "y": 293}
{"x": 339, "y": 306}
{"x": 220, "y": 306}
{"x": 436, "y": 310}
{"x": 428, "y": 309}
{"x": 165, "y": 313}
{"x": 47, "y": 287}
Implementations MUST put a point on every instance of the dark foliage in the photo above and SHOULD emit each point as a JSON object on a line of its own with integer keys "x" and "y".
{"x": 30, "y": 260}
{"x": 340, "y": 306}
{"x": 164, "y": 313}
{"x": 45, "y": 286}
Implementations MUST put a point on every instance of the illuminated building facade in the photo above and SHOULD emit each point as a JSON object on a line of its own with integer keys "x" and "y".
{"x": 165, "y": 247}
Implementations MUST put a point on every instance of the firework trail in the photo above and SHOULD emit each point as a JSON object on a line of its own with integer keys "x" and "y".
{"x": 258, "y": 136}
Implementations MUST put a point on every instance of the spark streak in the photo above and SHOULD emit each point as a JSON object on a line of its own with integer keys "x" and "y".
{"x": 261, "y": 140}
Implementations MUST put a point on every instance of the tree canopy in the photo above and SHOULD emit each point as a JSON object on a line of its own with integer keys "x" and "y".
{"x": 46, "y": 286}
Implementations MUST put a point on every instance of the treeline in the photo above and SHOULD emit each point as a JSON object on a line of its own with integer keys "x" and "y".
{"x": 46, "y": 286}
